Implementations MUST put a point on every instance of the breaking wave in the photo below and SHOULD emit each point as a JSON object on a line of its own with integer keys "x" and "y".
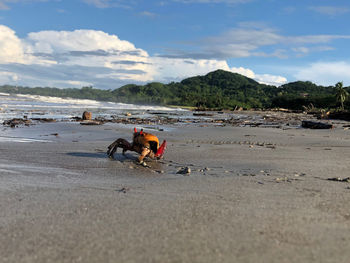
{"x": 19, "y": 105}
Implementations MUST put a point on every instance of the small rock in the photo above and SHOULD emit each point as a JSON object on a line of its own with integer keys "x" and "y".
{"x": 87, "y": 116}
{"x": 283, "y": 179}
{"x": 123, "y": 190}
{"x": 184, "y": 170}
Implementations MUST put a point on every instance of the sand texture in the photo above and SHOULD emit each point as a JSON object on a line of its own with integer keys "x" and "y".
{"x": 253, "y": 195}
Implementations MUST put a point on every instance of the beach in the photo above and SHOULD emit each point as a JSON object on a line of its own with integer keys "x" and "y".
{"x": 254, "y": 194}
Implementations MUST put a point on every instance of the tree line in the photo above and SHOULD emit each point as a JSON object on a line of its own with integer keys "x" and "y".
{"x": 216, "y": 90}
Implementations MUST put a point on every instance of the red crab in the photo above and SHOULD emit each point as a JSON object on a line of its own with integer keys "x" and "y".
{"x": 146, "y": 144}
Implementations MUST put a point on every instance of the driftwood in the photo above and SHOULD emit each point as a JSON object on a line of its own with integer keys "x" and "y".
{"x": 338, "y": 179}
{"x": 91, "y": 122}
{"x": 316, "y": 125}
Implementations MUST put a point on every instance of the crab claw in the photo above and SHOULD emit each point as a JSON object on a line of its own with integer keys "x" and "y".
{"x": 159, "y": 154}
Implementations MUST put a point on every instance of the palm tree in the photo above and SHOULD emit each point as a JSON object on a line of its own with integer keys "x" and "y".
{"x": 341, "y": 94}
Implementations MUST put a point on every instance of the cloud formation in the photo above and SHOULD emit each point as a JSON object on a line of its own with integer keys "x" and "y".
{"x": 5, "y": 4}
{"x": 11, "y": 48}
{"x": 213, "y": 1}
{"x": 86, "y": 57}
{"x": 261, "y": 78}
{"x": 108, "y": 3}
{"x": 325, "y": 73}
{"x": 89, "y": 57}
{"x": 330, "y": 10}
{"x": 248, "y": 41}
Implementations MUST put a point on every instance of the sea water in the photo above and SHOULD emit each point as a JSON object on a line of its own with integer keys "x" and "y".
{"x": 35, "y": 106}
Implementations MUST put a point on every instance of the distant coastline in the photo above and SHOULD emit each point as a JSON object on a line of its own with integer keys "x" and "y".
{"x": 217, "y": 90}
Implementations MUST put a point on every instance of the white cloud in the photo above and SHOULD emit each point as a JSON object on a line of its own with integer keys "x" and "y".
{"x": 11, "y": 48}
{"x": 8, "y": 77}
{"x": 244, "y": 71}
{"x": 109, "y": 3}
{"x": 98, "y": 3}
{"x": 300, "y": 51}
{"x": 261, "y": 78}
{"x": 87, "y": 57}
{"x": 79, "y": 40}
{"x": 213, "y": 1}
{"x": 252, "y": 40}
{"x": 330, "y": 10}
{"x": 270, "y": 79}
{"x": 127, "y": 4}
{"x": 325, "y": 73}
{"x": 172, "y": 69}
{"x": 148, "y": 14}
{"x": 5, "y": 4}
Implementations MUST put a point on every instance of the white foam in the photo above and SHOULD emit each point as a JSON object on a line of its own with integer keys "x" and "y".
{"x": 85, "y": 103}
{"x": 59, "y": 100}
{"x": 19, "y": 139}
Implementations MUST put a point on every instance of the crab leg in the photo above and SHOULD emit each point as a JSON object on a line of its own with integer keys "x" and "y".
{"x": 121, "y": 143}
{"x": 144, "y": 153}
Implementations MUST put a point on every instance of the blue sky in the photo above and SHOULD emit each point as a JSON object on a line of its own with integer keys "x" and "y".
{"x": 109, "y": 43}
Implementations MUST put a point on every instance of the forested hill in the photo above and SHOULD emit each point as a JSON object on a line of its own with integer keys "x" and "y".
{"x": 214, "y": 90}
{"x": 217, "y": 89}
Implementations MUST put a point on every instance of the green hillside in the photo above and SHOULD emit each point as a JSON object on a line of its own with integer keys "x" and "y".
{"x": 217, "y": 89}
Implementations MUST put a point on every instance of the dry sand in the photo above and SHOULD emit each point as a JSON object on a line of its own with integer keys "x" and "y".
{"x": 253, "y": 195}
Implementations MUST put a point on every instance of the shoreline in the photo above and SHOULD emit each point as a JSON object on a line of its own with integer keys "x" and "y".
{"x": 254, "y": 194}
{"x": 232, "y": 118}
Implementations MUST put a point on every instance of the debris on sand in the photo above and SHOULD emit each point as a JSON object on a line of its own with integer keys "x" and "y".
{"x": 184, "y": 170}
{"x": 123, "y": 190}
{"x": 283, "y": 179}
{"x": 342, "y": 115}
{"x": 91, "y": 122}
{"x": 43, "y": 119}
{"x": 202, "y": 114}
{"x": 316, "y": 125}
{"x": 338, "y": 179}
{"x": 205, "y": 169}
{"x": 13, "y": 123}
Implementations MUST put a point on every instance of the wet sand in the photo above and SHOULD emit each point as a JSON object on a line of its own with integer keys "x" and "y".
{"x": 253, "y": 195}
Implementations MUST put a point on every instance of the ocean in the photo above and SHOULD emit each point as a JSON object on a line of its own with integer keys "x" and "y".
{"x": 61, "y": 109}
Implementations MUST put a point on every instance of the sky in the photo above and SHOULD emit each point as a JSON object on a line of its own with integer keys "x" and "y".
{"x": 109, "y": 43}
